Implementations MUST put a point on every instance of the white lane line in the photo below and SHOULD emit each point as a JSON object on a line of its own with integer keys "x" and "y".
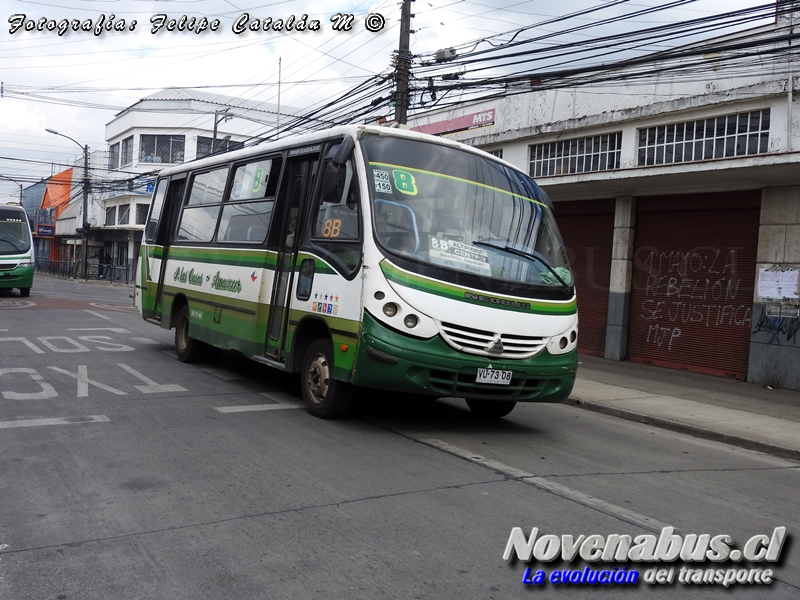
{"x": 281, "y": 401}
{"x": 54, "y": 421}
{"x": 563, "y": 491}
{"x": 253, "y": 408}
{"x": 150, "y": 341}
{"x": 97, "y": 314}
{"x": 171, "y": 353}
{"x": 223, "y": 374}
{"x": 111, "y": 329}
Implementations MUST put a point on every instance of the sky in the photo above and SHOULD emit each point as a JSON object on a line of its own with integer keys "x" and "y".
{"x": 76, "y": 81}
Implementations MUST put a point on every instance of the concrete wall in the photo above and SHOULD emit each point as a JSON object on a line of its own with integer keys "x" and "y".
{"x": 775, "y": 329}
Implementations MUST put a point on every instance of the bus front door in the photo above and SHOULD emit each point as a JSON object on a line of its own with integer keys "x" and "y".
{"x": 161, "y": 228}
{"x": 296, "y": 186}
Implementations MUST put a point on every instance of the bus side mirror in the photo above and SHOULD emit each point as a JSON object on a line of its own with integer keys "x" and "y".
{"x": 333, "y": 180}
{"x": 150, "y": 230}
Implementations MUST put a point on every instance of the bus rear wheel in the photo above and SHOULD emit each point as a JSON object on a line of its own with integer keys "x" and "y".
{"x": 325, "y": 397}
{"x": 491, "y": 409}
{"x": 24, "y": 292}
{"x": 188, "y": 349}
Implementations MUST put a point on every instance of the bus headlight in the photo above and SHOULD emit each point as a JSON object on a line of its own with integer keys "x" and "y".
{"x": 564, "y": 342}
{"x": 411, "y": 321}
{"x": 390, "y": 309}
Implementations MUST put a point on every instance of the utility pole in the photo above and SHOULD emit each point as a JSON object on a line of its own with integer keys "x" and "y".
{"x": 403, "y": 71}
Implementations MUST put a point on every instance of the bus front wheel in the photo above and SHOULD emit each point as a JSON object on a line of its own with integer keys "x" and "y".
{"x": 492, "y": 409}
{"x": 24, "y": 292}
{"x": 325, "y": 397}
{"x": 188, "y": 349}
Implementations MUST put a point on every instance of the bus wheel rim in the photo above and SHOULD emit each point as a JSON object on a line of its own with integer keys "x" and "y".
{"x": 317, "y": 379}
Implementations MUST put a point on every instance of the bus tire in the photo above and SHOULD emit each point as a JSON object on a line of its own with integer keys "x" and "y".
{"x": 325, "y": 397}
{"x": 189, "y": 350}
{"x": 491, "y": 409}
{"x": 24, "y": 292}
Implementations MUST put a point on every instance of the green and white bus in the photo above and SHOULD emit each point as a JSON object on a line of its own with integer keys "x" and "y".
{"x": 366, "y": 257}
{"x": 16, "y": 250}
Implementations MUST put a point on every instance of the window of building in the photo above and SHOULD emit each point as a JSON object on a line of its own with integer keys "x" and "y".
{"x": 204, "y": 146}
{"x": 141, "y": 214}
{"x": 111, "y": 216}
{"x": 161, "y": 148}
{"x": 124, "y": 215}
{"x": 127, "y": 151}
{"x": 113, "y": 157}
{"x": 498, "y": 153}
{"x": 577, "y": 155}
{"x": 739, "y": 134}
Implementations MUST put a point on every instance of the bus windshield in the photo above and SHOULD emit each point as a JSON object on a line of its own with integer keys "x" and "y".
{"x": 444, "y": 207}
{"x": 14, "y": 233}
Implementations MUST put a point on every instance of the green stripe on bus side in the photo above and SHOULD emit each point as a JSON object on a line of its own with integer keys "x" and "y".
{"x": 453, "y": 292}
{"x": 262, "y": 259}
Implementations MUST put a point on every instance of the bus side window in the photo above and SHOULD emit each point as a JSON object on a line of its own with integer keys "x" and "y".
{"x": 199, "y": 218}
{"x": 336, "y": 227}
{"x": 248, "y": 211}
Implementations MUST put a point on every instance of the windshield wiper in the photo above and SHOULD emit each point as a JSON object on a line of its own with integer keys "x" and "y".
{"x": 529, "y": 255}
{"x": 10, "y": 243}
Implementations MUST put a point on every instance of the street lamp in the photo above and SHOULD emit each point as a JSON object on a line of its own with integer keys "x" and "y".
{"x": 85, "y": 228}
{"x": 18, "y": 183}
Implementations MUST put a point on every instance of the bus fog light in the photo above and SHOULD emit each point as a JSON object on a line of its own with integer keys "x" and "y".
{"x": 573, "y": 336}
{"x": 411, "y": 321}
{"x": 390, "y": 309}
{"x": 562, "y": 343}
{"x": 379, "y": 295}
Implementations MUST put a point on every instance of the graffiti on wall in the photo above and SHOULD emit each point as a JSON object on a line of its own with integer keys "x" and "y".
{"x": 780, "y": 324}
{"x": 701, "y": 287}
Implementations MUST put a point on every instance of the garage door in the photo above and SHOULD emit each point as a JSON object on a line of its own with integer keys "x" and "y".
{"x": 694, "y": 273}
{"x": 587, "y": 228}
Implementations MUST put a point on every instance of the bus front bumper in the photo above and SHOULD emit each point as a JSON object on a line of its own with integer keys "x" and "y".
{"x": 390, "y": 360}
{"x": 20, "y": 277}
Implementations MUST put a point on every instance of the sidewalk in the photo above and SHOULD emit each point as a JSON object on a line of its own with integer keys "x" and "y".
{"x": 733, "y": 412}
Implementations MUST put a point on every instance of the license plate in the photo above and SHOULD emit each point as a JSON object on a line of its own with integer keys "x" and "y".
{"x": 494, "y": 376}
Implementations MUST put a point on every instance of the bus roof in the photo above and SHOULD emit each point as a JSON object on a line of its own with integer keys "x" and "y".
{"x": 310, "y": 138}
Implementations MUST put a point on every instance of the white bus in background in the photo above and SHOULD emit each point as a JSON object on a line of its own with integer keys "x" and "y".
{"x": 16, "y": 250}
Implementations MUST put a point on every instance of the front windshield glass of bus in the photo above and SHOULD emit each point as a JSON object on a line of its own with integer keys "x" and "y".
{"x": 450, "y": 208}
{"x": 14, "y": 232}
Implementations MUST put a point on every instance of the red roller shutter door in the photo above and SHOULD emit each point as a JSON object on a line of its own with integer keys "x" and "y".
{"x": 587, "y": 228}
{"x": 693, "y": 279}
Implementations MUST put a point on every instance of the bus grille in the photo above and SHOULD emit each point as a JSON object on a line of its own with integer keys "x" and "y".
{"x": 8, "y": 267}
{"x": 478, "y": 341}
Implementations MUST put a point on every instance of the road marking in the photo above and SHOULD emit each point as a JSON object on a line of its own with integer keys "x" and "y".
{"x": 171, "y": 353}
{"x": 563, "y": 491}
{"x": 280, "y": 399}
{"x": 97, "y": 314}
{"x": 54, "y": 421}
{"x": 223, "y": 374}
{"x": 117, "y": 307}
{"x": 152, "y": 387}
{"x": 83, "y": 381}
{"x": 150, "y": 341}
{"x": 111, "y": 329}
{"x": 11, "y": 304}
{"x": 253, "y": 408}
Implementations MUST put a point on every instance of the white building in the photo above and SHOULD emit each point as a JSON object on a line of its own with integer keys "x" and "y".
{"x": 678, "y": 198}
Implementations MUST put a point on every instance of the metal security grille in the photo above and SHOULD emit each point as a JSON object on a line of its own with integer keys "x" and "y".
{"x": 578, "y": 155}
{"x": 739, "y": 134}
{"x": 587, "y": 228}
{"x": 694, "y": 271}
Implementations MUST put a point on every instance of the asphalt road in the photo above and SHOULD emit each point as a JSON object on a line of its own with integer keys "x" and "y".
{"x": 125, "y": 474}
